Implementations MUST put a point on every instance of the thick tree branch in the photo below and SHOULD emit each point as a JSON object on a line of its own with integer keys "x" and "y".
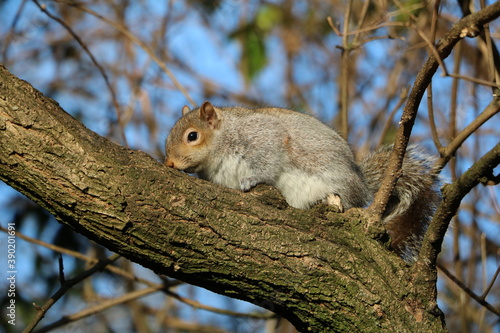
{"x": 315, "y": 268}
{"x": 424, "y": 270}
{"x": 452, "y": 197}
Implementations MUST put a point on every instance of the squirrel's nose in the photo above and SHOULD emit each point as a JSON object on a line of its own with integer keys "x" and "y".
{"x": 169, "y": 163}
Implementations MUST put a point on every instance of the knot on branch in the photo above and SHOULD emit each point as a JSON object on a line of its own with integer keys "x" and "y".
{"x": 471, "y": 31}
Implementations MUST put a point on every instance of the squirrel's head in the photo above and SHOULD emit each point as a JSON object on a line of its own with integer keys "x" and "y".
{"x": 191, "y": 139}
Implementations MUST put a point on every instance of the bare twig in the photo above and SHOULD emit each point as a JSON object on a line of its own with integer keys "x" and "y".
{"x": 64, "y": 288}
{"x": 198, "y": 305}
{"x": 490, "y": 52}
{"x": 333, "y": 26}
{"x": 493, "y": 62}
{"x": 432, "y": 120}
{"x": 356, "y": 43}
{"x": 444, "y": 47}
{"x": 90, "y": 260}
{"x": 138, "y": 42}
{"x": 428, "y": 42}
{"x": 95, "y": 62}
{"x": 62, "y": 279}
{"x": 433, "y": 49}
{"x": 454, "y": 93}
{"x": 402, "y": 98}
{"x": 448, "y": 152}
{"x": 166, "y": 284}
{"x": 474, "y": 296}
{"x": 361, "y": 21}
{"x": 10, "y": 34}
{"x": 493, "y": 279}
{"x": 100, "y": 307}
{"x": 475, "y": 80}
{"x": 344, "y": 74}
{"x": 434, "y": 22}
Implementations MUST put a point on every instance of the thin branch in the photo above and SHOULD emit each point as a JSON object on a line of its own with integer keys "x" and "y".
{"x": 433, "y": 49}
{"x": 100, "y": 307}
{"x": 428, "y": 42}
{"x": 361, "y": 20}
{"x": 454, "y": 93}
{"x": 333, "y": 26}
{"x": 167, "y": 283}
{"x": 493, "y": 62}
{"x": 444, "y": 47}
{"x": 114, "y": 269}
{"x": 475, "y": 80}
{"x": 344, "y": 74}
{"x": 487, "y": 290}
{"x": 64, "y": 288}
{"x": 140, "y": 293}
{"x": 447, "y": 153}
{"x": 356, "y": 44}
{"x": 10, "y": 35}
{"x": 434, "y": 22}
{"x": 138, "y": 42}
{"x": 432, "y": 120}
{"x": 53, "y": 247}
{"x": 469, "y": 292}
{"x": 402, "y": 98}
{"x": 95, "y": 62}
{"x": 62, "y": 279}
{"x": 491, "y": 52}
{"x": 198, "y": 305}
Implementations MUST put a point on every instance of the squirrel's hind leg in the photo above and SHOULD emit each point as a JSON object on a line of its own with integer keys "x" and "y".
{"x": 333, "y": 200}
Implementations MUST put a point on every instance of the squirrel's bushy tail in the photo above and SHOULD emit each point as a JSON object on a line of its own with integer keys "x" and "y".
{"x": 413, "y": 201}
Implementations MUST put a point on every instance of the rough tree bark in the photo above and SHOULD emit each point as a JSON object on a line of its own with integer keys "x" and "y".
{"x": 316, "y": 268}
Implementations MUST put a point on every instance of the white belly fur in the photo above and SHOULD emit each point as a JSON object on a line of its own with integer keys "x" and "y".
{"x": 302, "y": 190}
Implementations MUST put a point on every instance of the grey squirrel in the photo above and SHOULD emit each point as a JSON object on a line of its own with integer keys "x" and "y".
{"x": 306, "y": 161}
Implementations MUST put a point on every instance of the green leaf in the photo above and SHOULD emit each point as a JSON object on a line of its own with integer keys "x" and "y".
{"x": 254, "y": 55}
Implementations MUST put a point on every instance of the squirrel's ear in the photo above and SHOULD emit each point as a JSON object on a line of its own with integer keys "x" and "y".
{"x": 185, "y": 110}
{"x": 209, "y": 114}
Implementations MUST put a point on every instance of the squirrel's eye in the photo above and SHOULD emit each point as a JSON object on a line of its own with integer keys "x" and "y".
{"x": 192, "y": 136}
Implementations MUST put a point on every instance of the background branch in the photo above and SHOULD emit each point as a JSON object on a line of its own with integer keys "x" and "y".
{"x": 444, "y": 47}
{"x": 96, "y": 64}
{"x": 41, "y": 310}
{"x": 452, "y": 196}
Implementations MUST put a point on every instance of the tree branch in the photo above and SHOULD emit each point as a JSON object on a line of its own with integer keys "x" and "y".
{"x": 309, "y": 266}
{"x": 96, "y": 63}
{"x": 100, "y": 307}
{"x": 469, "y": 26}
{"x": 127, "y": 33}
{"x": 66, "y": 285}
{"x": 449, "y": 151}
{"x": 473, "y": 295}
{"x": 452, "y": 197}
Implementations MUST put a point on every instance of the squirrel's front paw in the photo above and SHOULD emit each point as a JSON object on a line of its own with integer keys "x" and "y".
{"x": 247, "y": 183}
